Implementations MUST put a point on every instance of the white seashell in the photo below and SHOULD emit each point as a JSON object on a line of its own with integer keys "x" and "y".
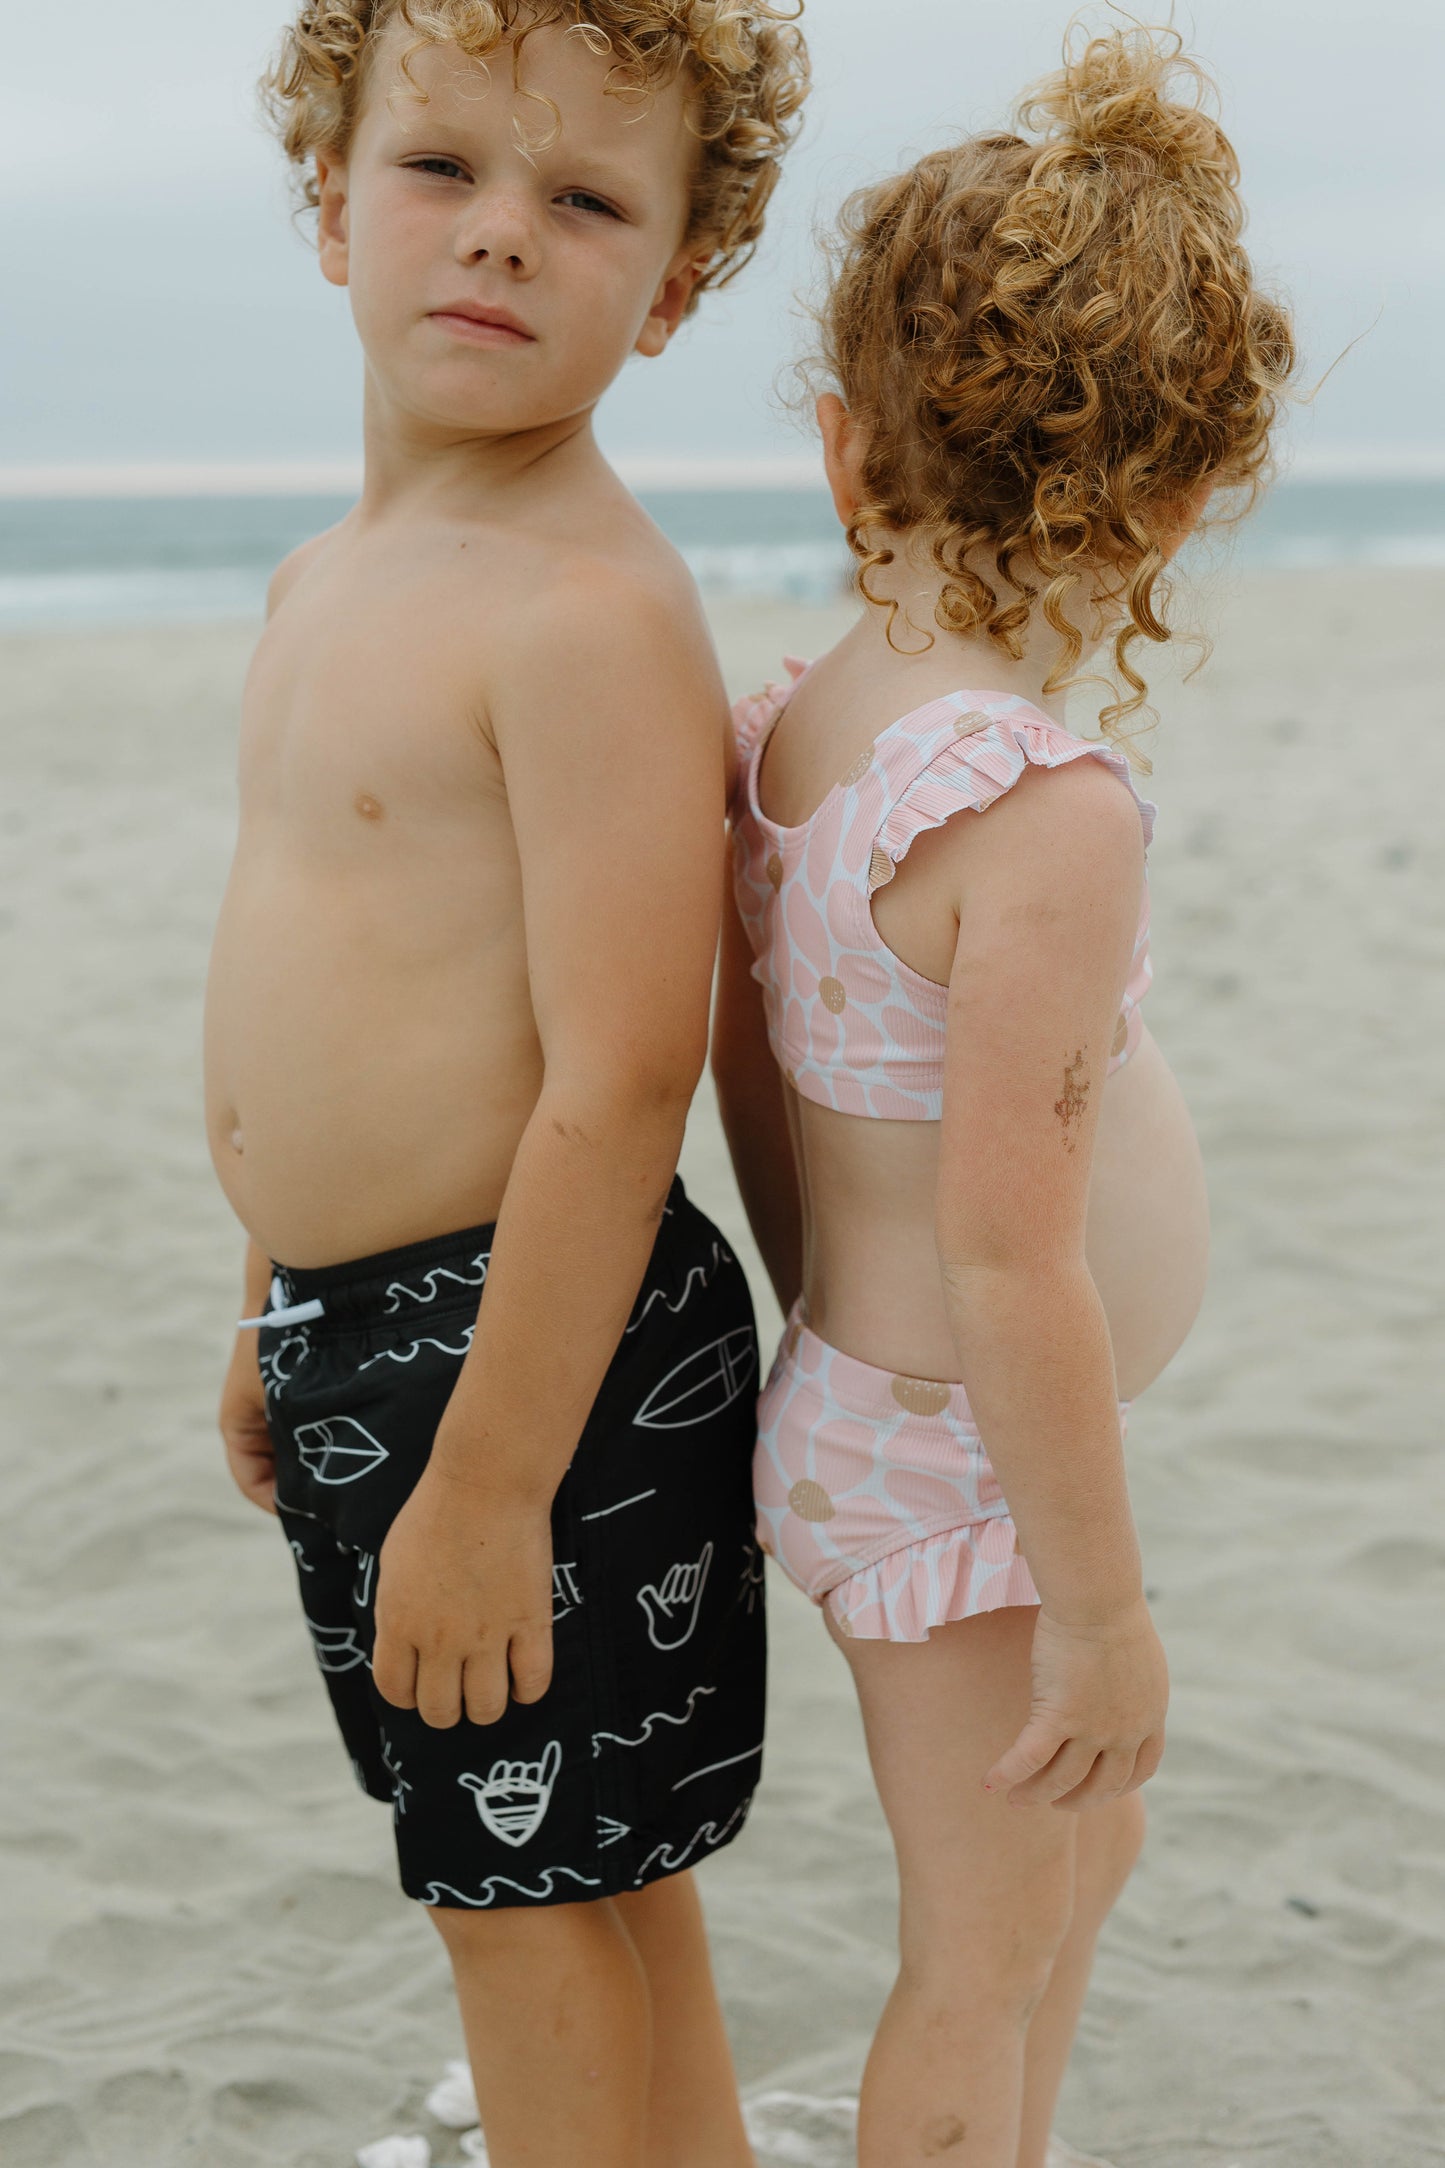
{"x": 452, "y": 2101}
{"x": 395, "y": 2153}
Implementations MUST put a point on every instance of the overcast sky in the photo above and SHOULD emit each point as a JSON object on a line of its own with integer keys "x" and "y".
{"x": 155, "y": 302}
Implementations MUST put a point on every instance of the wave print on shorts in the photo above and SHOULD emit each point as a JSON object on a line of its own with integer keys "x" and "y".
{"x": 698, "y": 1276}
{"x": 710, "y": 1836}
{"x": 659, "y": 1716}
{"x": 398, "y": 1292}
{"x": 413, "y": 1348}
{"x": 440, "y": 1893}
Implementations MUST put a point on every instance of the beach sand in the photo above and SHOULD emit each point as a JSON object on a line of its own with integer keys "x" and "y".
{"x": 203, "y": 1958}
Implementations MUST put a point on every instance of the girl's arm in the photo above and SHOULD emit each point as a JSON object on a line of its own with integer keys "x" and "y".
{"x": 754, "y": 1114}
{"x": 1048, "y": 901}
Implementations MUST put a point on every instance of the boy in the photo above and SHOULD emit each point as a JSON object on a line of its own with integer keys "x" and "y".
{"x": 461, "y": 982}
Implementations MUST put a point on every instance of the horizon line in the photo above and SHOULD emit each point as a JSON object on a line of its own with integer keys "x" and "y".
{"x": 660, "y": 471}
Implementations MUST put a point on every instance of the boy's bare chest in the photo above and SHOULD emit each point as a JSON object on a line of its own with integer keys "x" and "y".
{"x": 365, "y": 718}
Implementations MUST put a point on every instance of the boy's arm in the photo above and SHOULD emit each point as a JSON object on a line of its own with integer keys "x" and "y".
{"x": 612, "y": 751}
{"x": 754, "y": 1114}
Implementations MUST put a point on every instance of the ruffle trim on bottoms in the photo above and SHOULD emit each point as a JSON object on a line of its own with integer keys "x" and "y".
{"x": 957, "y": 1574}
{"x": 980, "y": 769}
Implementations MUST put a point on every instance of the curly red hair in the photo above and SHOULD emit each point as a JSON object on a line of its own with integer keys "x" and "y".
{"x": 1053, "y": 344}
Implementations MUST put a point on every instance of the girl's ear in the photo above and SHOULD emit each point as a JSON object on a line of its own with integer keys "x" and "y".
{"x": 840, "y": 456}
{"x": 1186, "y": 518}
{"x": 333, "y": 220}
{"x": 671, "y": 303}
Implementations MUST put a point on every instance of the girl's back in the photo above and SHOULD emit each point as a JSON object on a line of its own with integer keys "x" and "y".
{"x": 894, "y": 758}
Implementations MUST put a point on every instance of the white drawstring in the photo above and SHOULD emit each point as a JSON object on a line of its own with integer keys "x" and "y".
{"x": 297, "y": 1313}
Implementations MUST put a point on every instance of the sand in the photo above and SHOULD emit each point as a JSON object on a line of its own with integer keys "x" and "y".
{"x": 202, "y": 1956}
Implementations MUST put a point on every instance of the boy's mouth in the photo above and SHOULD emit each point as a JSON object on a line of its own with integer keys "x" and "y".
{"x": 483, "y": 326}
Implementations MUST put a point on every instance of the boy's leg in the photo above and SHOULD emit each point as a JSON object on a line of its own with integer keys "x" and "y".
{"x": 1107, "y": 1846}
{"x": 556, "y": 2012}
{"x": 694, "y": 2117}
{"x": 987, "y": 1894}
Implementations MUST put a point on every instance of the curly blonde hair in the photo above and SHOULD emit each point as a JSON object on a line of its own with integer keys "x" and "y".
{"x": 745, "y": 61}
{"x": 1052, "y": 347}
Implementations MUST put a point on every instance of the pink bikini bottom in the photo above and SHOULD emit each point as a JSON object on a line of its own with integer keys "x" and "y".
{"x": 876, "y": 1497}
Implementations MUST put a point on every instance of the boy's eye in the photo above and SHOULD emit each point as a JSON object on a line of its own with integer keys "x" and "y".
{"x": 581, "y": 199}
{"x": 446, "y": 167}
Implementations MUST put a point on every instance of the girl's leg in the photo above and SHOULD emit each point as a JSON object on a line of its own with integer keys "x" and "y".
{"x": 694, "y": 2118}
{"x": 987, "y": 1895}
{"x": 557, "y": 2018}
{"x": 1108, "y": 1843}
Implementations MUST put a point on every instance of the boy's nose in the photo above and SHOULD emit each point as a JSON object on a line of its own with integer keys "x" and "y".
{"x": 498, "y": 229}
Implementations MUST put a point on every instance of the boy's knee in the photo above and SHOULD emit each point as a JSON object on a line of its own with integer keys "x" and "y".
{"x": 518, "y": 1933}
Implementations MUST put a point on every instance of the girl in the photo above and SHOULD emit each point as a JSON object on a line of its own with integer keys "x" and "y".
{"x": 971, "y": 1172}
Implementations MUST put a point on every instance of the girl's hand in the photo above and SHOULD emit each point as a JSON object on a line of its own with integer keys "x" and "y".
{"x": 242, "y": 1418}
{"x": 463, "y": 1604}
{"x": 1096, "y": 1727}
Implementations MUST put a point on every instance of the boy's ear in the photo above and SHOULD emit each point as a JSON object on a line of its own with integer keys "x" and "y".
{"x": 841, "y": 456}
{"x": 333, "y": 220}
{"x": 671, "y": 302}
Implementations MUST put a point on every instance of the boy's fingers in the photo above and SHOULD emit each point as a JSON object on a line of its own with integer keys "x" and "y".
{"x": 484, "y": 1688}
{"x": 1033, "y": 1750}
{"x": 439, "y": 1692}
{"x": 393, "y": 1669}
{"x": 253, "y": 1470}
{"x": 531, "y": 1659}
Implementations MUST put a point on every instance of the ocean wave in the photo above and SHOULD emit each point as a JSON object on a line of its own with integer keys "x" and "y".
{"x": 74, "y": 566}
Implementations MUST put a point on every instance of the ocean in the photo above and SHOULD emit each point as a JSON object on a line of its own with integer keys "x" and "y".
{"x": 76, "y": 561}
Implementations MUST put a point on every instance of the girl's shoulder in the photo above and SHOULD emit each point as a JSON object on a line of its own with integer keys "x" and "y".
{"x": 755, "y": 714}
{"x": 991, "y": 744}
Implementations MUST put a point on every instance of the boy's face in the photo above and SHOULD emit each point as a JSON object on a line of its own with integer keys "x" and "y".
{"x": 438, "y": 220}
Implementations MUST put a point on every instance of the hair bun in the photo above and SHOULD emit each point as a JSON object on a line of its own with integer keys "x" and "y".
{"x": 1119, "y": 93}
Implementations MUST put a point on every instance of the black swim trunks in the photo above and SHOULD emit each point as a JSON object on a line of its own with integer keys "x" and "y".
{"x": 643, "y": 1755}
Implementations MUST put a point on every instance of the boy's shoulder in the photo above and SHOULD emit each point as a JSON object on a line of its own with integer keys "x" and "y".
{"x": 293, "y": 568}
{"x": 616, "y": 600}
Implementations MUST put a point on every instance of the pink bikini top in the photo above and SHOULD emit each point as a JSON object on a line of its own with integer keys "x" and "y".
{"x": 851, "y": 1026}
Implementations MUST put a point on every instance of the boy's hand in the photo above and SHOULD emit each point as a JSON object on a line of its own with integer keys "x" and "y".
{"x": 1096, "y": 1728}
{"x": 463, "y": 1604}
{"x": 242, "y": 1419}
